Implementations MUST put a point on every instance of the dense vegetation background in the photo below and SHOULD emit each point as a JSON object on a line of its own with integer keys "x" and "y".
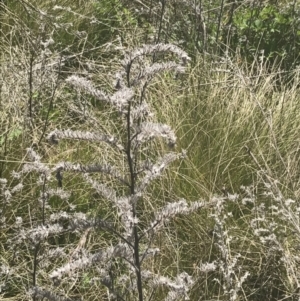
{"x": 235, "y": 111}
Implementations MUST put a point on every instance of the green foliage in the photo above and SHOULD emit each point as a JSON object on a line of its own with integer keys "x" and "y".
{"x": 271, "y": 29}
{"x": 14, "y": 133}
{"x": 214, "y": 27}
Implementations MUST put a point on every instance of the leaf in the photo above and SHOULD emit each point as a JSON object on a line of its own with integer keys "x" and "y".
{"x": 15, "y": 133}
{"x": 35, "y": 95}
{"x": 257, "y": 23}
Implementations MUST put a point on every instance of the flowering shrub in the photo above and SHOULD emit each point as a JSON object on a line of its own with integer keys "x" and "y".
{"x": 130, "y": 237}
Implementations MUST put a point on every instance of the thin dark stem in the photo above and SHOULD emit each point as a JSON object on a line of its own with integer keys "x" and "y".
{"x": 4, "y": 154}
{"x": 157, "y": 40}
{"x": 4, "y": 142}
{"x": 51, "y": 102}
{"x": 137, "y": 259}
{"x": 128, "y": 153}
{"x": 152, "y": 295}
{"x": 37, "y": 247}
{"x": 128, "y": 67}
{"x": 30, "y": 78}
{"x": 219, "y": 20}
{"x": 148, "y": 247}
{"x": 35, "y": 263}
{"x": 43, "y": 208}
{"x": 110, "y": 229}
{"x": 163, "y": 6}
{"x": 111, "y": 287}
{"x": 134, "y": 211}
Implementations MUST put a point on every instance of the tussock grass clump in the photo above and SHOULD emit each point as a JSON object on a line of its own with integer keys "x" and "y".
{"x": 234, "y": 122}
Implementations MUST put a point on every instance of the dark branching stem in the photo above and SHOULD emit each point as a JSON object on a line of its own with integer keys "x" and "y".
{"x": 112, "y": 230}
{"x": 30, "y": 79}
{"x": 219, "y": 20}
{"x": 51, "y": 101}
{"x": 35, "y": 264}
{"x": 134, "y": 211}
{"x": 163, "y": 7}
{"x": 44, "y": 200}
{"x": 111, "y": 287}
{"x": 38, "y": 245}
{"x": 128, "y": 67}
